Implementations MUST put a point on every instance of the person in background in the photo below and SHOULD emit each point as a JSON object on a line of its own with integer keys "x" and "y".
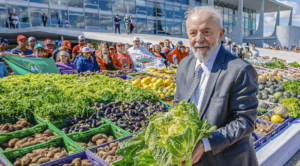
{"x": 80, "y": 54}
{"x": 277, "y": 48}
{"x": 156, "y": 52}
{"x": 87, "y": 62}
{"x": 4, "y": 46}
{"x": 228, "y": 44}
{"x": 234, "y": 49}
{"x": 127, "y": 24}
{"x": 104, "y": 60}
{"x": 48, "y": 45}
{"x": 31, "y": 43}
{"x": 127, "y": 46}
{"x": 142, "y": 43}
{"x": 176, "y": 55}
{"x": 161, "y": 44}
{"x": 269, "y": 47}
{"x": 240, "y": 52}
{"x": 91, "y": 47}
{"x": 147, "y": 45}
{"x": 117, "y": 21}
{"x": 11, "y": 24}
{"x": 121, "y": 61}
{"x": 22, "y": 46}
{"x": 274, "y": 46}
{"x": 64, "y": 45}
{"x": 295, "y": 49}
{"x": 3, "y": 70}
{"x": 180, "y": 43}
{"x": 167, "y": 44}
{"x": 63, "y": 63}
{"x": 67, "y": 23}
{"x": 248, "y": 53}
{"x": 112, "y": 50}
{"x": 254, "y": 51}
{"x": 39, "y": 52}
{"x": 44, "y": 19}
{"x": 187, "y": 50}
{"x": 131, "y": 24}
{"x": 15, "y": 19}
{"x": 81, "y": 43}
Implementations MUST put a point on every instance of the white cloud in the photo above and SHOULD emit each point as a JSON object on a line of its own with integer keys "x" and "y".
{"x": 286, "y": 14}
{"x": 270, "y": 21}
{"x": 267, "y": 34}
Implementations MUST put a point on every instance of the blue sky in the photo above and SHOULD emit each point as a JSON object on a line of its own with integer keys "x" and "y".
{"x": 284, "y": 16}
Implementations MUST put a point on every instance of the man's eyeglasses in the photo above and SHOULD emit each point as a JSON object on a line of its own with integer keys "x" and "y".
{"x": 64, "y": 56}
{"x": 40, "y": 50}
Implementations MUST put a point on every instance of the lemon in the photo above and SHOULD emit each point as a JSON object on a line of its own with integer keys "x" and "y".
{"x": 162, "y": 95}
{"x": 168, "y": 82}
{"x": 151, "y": 84}
{"x": 146, "y": 81}
{"x": 160, "y": 82}
{"x": 136, "y": 82}
{"x": 154, "y": 79}
{"x": 276, "y": 119}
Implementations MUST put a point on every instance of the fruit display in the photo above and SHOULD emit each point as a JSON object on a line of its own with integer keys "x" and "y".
{"x": 161, "y": 71}
{"x": 40, "y": 156}
{"x": 55, "y": 97}
{"x": 294, "y": 64}
{"x": 276, "y": 64}
{"x": 169, "y": 138}
{"x": 172, "y": 66}
{"x": 82, "y": 124}
{"x": 21, "y": 124}
{"x": 98, "y": 139}
{"x": 129, "y": 115}
{"x": 108, "y": 153}
{"x": 263, "y": 128}
{"x": 162, "y": 87}
{"x": 106, "y": 73}
{"x": 79, "y": 162}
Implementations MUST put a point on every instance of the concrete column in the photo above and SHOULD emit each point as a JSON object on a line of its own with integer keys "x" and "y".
{"x": 237, "y": 33}
{"x": 210, "y": 2}
{"x": 291, "y": 18}
{"x": 277, "y": 21}
{"x": 61, "y": 38}
{"x": 260, "y": 28}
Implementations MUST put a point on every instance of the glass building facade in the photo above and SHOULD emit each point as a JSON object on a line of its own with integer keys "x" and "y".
{"x": 160, "y": 17}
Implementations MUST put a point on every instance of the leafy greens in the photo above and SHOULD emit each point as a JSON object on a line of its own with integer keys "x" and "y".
{"x": 294, "y": 64}
{"x": 276, "y": 64}
{"x": 293, "y": 106}
{"x": 169, "y": 139}
{"x": 292, "y": 86}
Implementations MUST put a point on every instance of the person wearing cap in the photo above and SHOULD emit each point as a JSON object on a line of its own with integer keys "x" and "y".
{"x": 248, "y": 53}
{"x": 81, "y": 43}
{"x": 167, "y": 44}
{"x": 117, "y": 21}
{"x": 4, "y": 46}
{"x": 156, "y": 52}
{"x": 39, "y": 52}
{"x": 121, "y": 61}
{"x": 102, "y": 44}
{"x": 63, "y": 63}
{"x": 241, "y": 54}
{"x": 161, "y": 44}
{"x": 48, "y": 45}
{"x": 142, "y": 43}
{"x": 187, "y": 50}
{"x": 104, "y": 60}
{"x": 176, "y": 55}
{"x": 147, "y": 45}
{"x": 22, "y": 46}
{"x": 254, "y": 51}
{"x": 31, "y": 42}
{"x": 278, "y": 48}
{"x": 87, "y": 62}
{"x": 80, "y": 54}
{"x": 64, "y": 45}
{"x": 3, "y": 70}
{"x": 180, "y": 43}
{"x": 112, "y": 50}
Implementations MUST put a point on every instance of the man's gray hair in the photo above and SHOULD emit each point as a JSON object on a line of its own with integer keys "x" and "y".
{"x": 215, "y": 13}
{"x": 228, "y": 41}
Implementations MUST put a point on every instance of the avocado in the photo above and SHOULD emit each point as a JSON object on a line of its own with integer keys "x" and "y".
{"x": 287, "y": 95}
{"x": 273, "y": 100}
{"x": 294, "y": 95}
{"x": 261, "y": 87}
{"x": 265, "y": 96}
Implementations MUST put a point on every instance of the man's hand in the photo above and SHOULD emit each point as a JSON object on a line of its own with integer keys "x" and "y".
{"x": 198, "y": 152}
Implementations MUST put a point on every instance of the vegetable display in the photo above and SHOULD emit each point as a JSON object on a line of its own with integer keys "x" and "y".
{"x": 293, "y": 106}
{"x": 263, "y": 129}
{"x": 129, "y": 115}
{"x": 98, "y": 139}
{"x": 294, "y": 64}
{"x": 21, "y": 124}
{"x": 169, "y": 138}
{"x": 108, "y": 153}
{"x": 56, "y": 96}
{"x": 276, "y": 64}
{"x": 106, "y": 73}
{"x": 292, "y": 86}
{"x": 79, "y": 162}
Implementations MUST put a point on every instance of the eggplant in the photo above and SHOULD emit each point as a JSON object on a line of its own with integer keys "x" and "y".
{"x": 107, "y": 111}
{"x": 133, "y": 122}
{"x": 118, "y": 115}
{"x": 103, "y": 107}
{"x": 99, "y": 114}
{"x": 118, "y": 110}
{"x": 71, "y": 129}
{"x": 76, "y": 127}
{"x": 138, "y": 124}
{"x": 139, "y": 118}
{"x": 114, "y": 110}
{"x": 83, "y": 129}
{"x": 93, "y": 116}
{"x": 88, "y": 120}
{"x": 138, "y": 113}
{"x": 124, "y": 118}
{"x": 122, "y": 125}
{"x": 130, "y": 113}
{"x": 127, "y": 115}
{"x": 65, "y": 130}
{"x": 131, "y": 127}
{"x": 98, "y": 124}
{"x": 76, "y": 119}
{"x": 94, "y": 123}
{"x": 128, "y": 102}
{"x": 98, "y": 105}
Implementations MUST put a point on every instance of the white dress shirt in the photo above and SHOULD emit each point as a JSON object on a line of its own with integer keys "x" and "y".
{"x": 197, "y": 96}
{"x": 255, "y": 53}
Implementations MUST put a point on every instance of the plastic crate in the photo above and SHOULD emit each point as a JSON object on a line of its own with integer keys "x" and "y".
{"x": 5, "y": 137}
{"x": 116, "y": 163}
{"x": 108, "y": 129}
{"x": 169, "y": 105}
{"x": 260, "y": 139}
{"x": 3, "y": 161}
{"x": 66, "y": 123}
{"x": 11, "y": 155}
{"x": 135, "y": 74}
{"x": 68, "y": 159}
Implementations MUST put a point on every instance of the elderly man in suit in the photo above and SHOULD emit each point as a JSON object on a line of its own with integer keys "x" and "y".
{"x": 223, "y": 87}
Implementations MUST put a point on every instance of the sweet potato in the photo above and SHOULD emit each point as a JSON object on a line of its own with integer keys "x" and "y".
{"x": 77, "y": 162}
{"x": 17, "y": 162}
{"x": 11, "y": 128}
{"x": 36, "y": 158}
{"x": 57, "y": 156}
{"x": 106, "y": 149}
{"x": 48, "y": 133}
{"x": 18, "y": 127}
{"x": 117, "y": 143}
{"x": 96, "y": 137}
{"x": 12, "y": 142}
{"x": 31, "y": 155}
{"x": 29, "y": 144}
{"x": 111, "y": 145}
{"x": 82, "y": 144}
{"x": 24, "y": 123}
{"x": 63, "y": 153}
{"x": 100, "y": 149}
{"x": 25, "y": 160}
{"x": 86, "y": 162}
{"x": 39, "y": 151}
{"x": 56, "y": 150}
{"x": 100, "y": 141}
{"x": 37, "y": 135}
{"x": 110, "y": 138}
{"x": 43, "y": 160}
{"x": 50, "y": 154}
{"x": 22, "y": 141}
{"x": 108, "y": 160}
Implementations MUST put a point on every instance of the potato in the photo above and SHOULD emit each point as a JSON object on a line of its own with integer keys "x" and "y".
{"x": 91, "y": 144}
{"x": 96, "y": 137}
{"x": 43, "y": 160}
{"x": 18, "y": 127}
{"x": 11, "y": 128}
{"x": 25, "y": 160}
{"x": 50, "y": 154}
{"x": 31, "y": 155}
{"x": 48, "y": 133}
{"x": 12, "y": 142}
{"x": 24, "y": 123}
{"x": 110, "y": 138}
{"x": 36, "y": 158}
{"x": 100, "y": 141}
{"x": 17, "y": 162}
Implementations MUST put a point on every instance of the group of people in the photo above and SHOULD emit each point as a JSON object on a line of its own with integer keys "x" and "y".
{"x": 293, "y": 48}
{"x": 129, "y": 24}
{"x": 240, "y": 51}
{"x": 83, "y": 57}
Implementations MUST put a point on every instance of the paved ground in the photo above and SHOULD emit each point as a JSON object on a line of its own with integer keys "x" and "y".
{"x": 288, "y": 56}
{"x": 295, "y": 160}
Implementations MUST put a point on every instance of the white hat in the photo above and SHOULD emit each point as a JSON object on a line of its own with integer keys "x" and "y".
{"x": 87, "y": 49}
{"x": 81, "y": 37}
{"x": 136, "y": 38}
{"x": 151, "y": 46}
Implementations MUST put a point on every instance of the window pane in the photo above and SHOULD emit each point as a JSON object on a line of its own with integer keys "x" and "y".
{"x": 4, "y": 18}
{"x": 92, "y": 19}
{"x": 169, "y": 11}
{"x": 77, "y": 3}
{"x": 183, "y": 10}
{"x": 58, "y": 17}
{"x": 141, "y": 7}
{"x": 185, "y": 2}
{"x": 184, "y": 30}
{"x": 106, "y": 23}
{"x": 105, "y": 5}
{"x": 117, "y": 6}
{"x": 151, "y": 26}
{"x": 177, "y": 12}
{"x": 161, "y": 26}
{"x": 169, "y": 0}
{"x": 58, "y": 2}
{"x": 142, "y": 25}
{"x": 91, "y": 6}
{"x": 40, "y": 1}
{"x": 169, "y": 28}
{"x": 95, "y": 2}
{"x": 160, "y": 9}
{"x": 76, "y": 21}
{"x": 22, "y": 12}
{"x": 129, "y": 6}
{"x": 151, "y": 9}
{"x": 36, "y": 16}
{"x": 176, "y": 29}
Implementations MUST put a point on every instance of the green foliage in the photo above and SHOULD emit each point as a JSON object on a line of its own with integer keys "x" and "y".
{"x": 292, "y": 86}
{"x": 293, "y": 106}
{"x": 294, "y": 64}
{"x": 56, "y": 96}
{"x": 276, "y": 64}
{"x": 169, "y": 138}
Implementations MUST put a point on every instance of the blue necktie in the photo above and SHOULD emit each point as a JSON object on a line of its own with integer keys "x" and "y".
{"x": 195, "y": 83}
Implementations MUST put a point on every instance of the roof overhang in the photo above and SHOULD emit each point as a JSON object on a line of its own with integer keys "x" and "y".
{"x": 270, "y": 5}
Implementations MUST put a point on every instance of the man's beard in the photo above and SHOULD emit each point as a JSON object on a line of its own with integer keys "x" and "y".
{"x": 201, "y": 55}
